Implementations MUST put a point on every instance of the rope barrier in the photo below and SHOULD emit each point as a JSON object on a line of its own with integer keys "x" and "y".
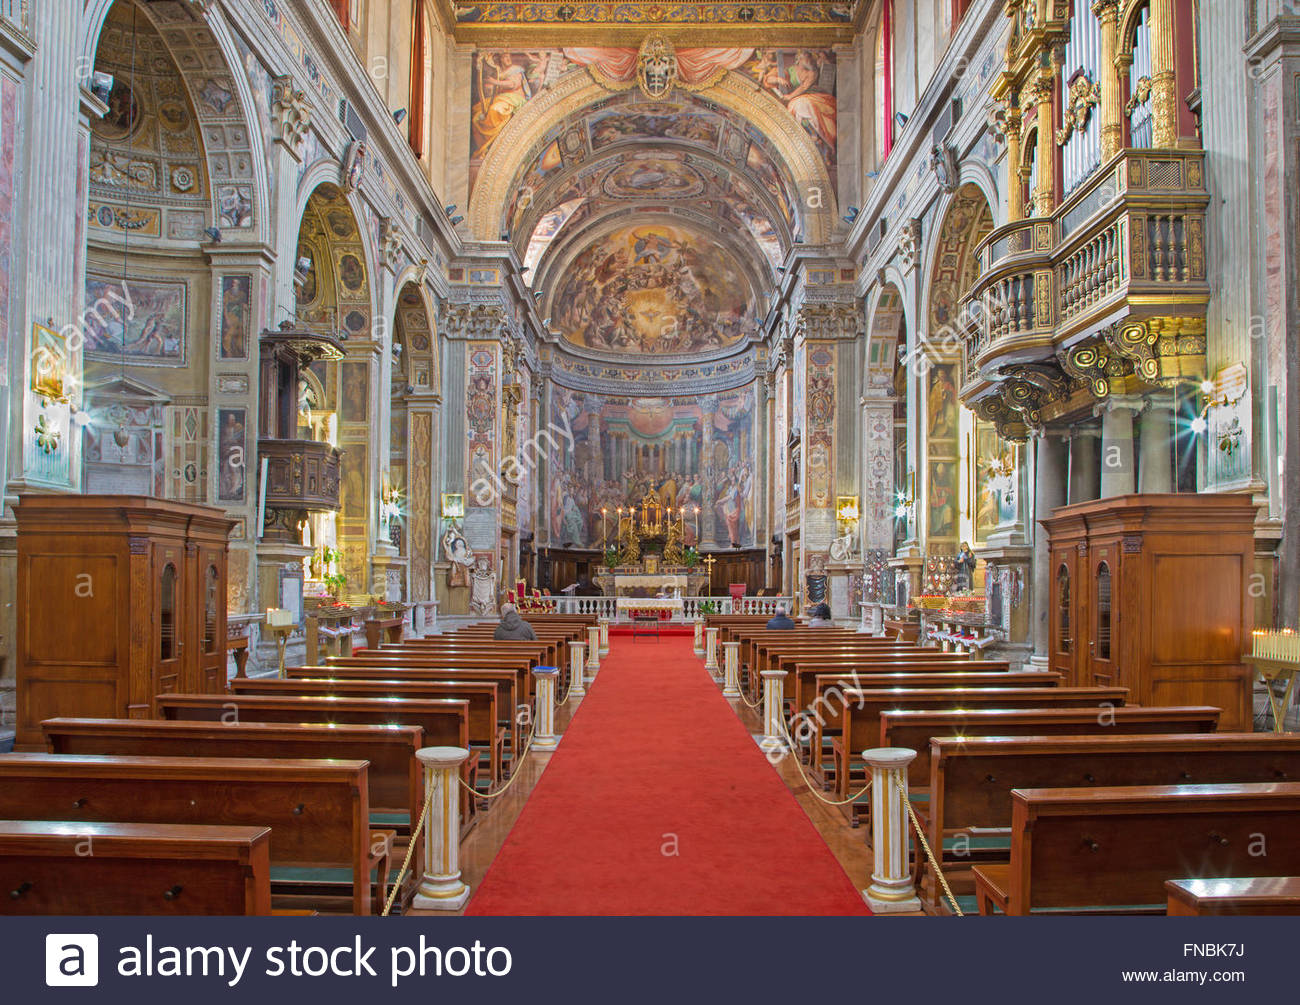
{"x": 410, "y": 848}
{"x": 814, "y": 786}
{"x": 938, "y": 873}
{"x": 519, "y": 763}
{"x": 752, "y": 704}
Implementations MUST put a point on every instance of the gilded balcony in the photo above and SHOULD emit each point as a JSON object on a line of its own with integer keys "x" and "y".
{"x": 1109, "y": 290}
{"x": 302, "y": 475}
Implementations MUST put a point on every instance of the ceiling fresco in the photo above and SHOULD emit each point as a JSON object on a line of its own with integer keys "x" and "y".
{"x": 643, "y": 195}
{"x": 654, "y": 289}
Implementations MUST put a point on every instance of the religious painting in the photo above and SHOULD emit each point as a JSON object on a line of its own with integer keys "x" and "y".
{"x": 352, "y": 274}
{"x": 354, "y": 398}
{"x": 231, "y": 454}
{"x": 662, "y": 120}
{"x": 140, "y": 320}
{"x": 236, "y": 316}
{"x": 943, "y": 499}
{"x": 653, "y": 176}
{"x": 942, "y": 403}
{"x": 655, "y": 289}
{"x": 501, "y": 83}
{"x": 804, "y": 81}
{"x": 352, "y": 480}
{"x": 694, "y": 456}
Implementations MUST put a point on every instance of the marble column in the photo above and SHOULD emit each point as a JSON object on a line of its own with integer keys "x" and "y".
{"x": 577, "y": 670}
{"x": 773, "y": 741}
{"x": 544, "y": 737}
{"x": 441, "y": 888}
{"x": 1117, "y": 456}
{"x": 1049, "y": 493}
{"x": 711, "y": 650}
{"x": 731, "y": 670}
{"x": 593, "y": 650}
{"x": 1083, "y": 464}
{"x": 1156, "y": 459}
{"x": 891, "y": 890}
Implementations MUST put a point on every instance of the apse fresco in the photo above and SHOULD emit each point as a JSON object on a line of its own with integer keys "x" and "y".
{"x": 654, "y": 289}
{"x": 690, "y": 453}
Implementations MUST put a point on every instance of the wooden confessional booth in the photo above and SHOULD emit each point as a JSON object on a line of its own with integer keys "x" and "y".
{"x": 1151, "y": 593}
{"x": 119, "y": 599}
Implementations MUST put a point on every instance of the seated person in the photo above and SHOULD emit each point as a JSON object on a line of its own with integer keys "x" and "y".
{"x": 782, "y": 619}
{"x": 513, "y": 628}
{"x": 820, "y": 616}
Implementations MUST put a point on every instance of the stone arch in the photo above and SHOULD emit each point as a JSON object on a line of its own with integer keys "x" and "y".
{"x": 577, "y": 90}
{"x": 339, "y": 291}
{"x": 221, "y": 98}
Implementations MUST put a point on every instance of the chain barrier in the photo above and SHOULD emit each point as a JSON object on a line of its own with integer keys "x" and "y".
{"x": 901, "y": 781}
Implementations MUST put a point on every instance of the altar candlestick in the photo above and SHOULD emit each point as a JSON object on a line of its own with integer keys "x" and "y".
{"x": 604, "y": 537}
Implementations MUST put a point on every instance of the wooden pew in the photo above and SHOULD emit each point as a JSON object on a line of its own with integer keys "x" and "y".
{"x": 1274, "y": 896}
{"x": 136, "y": 869}
{"x": 387, "y": 660}
{"x": 971, "y": 779}
{"x": 509, "y": 696}
{"x": 445, "y": 721}
{"x": 914, "y": 728}
{"x": 395, "y": 778}
{"x": 318, "y": 810}
{"x": 485, "y": 732}
{"x": 862, "y": 710}
{"x": 830, "y": 690}
{"x": 802, "y": 686}
{"x": 1087, "y": 849}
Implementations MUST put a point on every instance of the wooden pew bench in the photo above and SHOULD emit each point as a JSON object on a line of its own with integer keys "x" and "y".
{"x": 318, "y": 811}
{"x": 486, "y": 735}
{"x": 1090, "y": 850}
{"x": 395, "y": 777}
{"x": 158, "y": 870}
{"x": 968, "y": 810}
{"x": 1275, "y": 896}
{"x": 862, "y": 711}
{"x": 445, "y": 721}
{"x": 824, "y": 713}
{"x": 914, "y": 728}
{"x": 509, "y": 695}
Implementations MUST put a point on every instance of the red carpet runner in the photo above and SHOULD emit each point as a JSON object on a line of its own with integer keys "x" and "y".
{"x": 659, "y": 802}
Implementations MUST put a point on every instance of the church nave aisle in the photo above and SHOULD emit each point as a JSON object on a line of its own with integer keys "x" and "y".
{"x": 658, "y": 802}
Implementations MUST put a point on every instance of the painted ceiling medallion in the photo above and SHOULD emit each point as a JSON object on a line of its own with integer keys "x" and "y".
{"x": 656, "y": 66}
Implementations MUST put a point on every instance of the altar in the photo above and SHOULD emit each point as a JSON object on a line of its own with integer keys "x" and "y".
{"x": 644, "y": 585}
{"x": 665, "y": 607}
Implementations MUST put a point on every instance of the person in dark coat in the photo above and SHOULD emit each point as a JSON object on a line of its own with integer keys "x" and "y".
{"x": 513, "y": 628}
{"x": 782, "y": 619}
{"x": 820, "y": 616}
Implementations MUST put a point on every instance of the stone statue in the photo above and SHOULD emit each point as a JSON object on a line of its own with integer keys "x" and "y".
{"x": 842, "y": 548}
{"x": 457, "y": 551}
{"x": 483, "y": 590}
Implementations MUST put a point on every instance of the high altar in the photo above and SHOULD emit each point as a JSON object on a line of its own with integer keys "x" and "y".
{"x": 650, "y": 562}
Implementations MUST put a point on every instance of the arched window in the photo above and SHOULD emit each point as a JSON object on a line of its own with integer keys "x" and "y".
{"x": 1103, "y": 611}
{"x": 419, "y": 60}
{"x": 1030, "y": 171}
{"x": 167, "y": 613}
{"x": 1063, "y": 609}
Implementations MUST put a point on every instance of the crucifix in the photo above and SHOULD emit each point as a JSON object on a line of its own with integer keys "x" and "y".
{"x": 709, "y": 561}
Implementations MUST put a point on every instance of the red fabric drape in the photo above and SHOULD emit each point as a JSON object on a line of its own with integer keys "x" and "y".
{"x": 419, "y": 45}
{"x": 887, "y": 30}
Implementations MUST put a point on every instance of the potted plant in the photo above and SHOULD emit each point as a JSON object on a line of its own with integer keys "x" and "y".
{"x": 708, "y": 607}
{"x": 690, "y": 558}
{"x": 611, "y": 557}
